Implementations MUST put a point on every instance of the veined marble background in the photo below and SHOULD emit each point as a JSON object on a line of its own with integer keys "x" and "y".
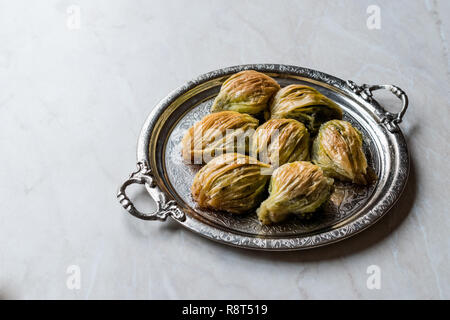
{"x": 79, "y": 77}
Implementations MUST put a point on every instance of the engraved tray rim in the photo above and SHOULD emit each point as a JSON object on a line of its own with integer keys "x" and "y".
{"x": 394, "y": 185}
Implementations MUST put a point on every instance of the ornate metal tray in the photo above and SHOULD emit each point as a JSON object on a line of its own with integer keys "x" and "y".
{"x": 350, "y": 210}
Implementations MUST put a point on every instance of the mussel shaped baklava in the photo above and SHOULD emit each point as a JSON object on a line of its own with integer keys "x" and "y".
{"x": 279, "y": 141}
{"x": 246, "y": 92}
{"x": 298, "y": 188}
{"x": 231, "y": 182}
{"x": 338, "y": 150}
{"x": 304, "y": 104}
{"x": 218, "y": 133}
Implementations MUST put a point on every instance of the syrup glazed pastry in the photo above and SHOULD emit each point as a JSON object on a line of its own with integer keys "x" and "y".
{"x": 231, "y": 182}
{"x": 295, "y": 188}
{"x": 338, "y": 150}
{"x": 246, "y": 92}
{"x": 304, "y": 104}
{"x": 279, "y": 141}
{"x": 218, "y": 133}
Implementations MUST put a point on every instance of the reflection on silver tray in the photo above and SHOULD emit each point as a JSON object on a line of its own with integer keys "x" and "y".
{"x": 351, "y": 208}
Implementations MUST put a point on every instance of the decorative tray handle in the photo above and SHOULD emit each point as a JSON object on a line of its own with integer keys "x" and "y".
{"x": 389, "y": 119}
{"x": 143, "y": 175}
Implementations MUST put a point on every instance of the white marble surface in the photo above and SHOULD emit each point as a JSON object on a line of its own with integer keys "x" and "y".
{"x": 72, "y": 103}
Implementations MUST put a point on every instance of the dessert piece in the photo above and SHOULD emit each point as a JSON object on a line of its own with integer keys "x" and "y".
{"x": 295, "y": 188}
{"x": 218, "y": 133}
{"x": 279, "y": 141}
{"x": 304, "y": 104}
{"x": 337, "y": 149}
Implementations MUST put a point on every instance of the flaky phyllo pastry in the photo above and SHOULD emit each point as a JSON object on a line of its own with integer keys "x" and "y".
{"x": 279, "y": 141}
{"x": 338, "y": 150}
{"x": 304, "y": 104}
{"x": 240, "y": 158}
{"x": 231, "y": 182}
{"x": 218, "y": 133}
{"x": 295, "y": 188}
{"x": 247, "y": 92}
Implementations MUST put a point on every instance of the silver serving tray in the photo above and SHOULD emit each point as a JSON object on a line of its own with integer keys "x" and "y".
{"x": 351, "y": 208}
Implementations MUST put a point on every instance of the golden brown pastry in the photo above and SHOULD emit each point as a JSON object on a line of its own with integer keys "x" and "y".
{"x": 218, "y": 133}
{"x": 295, "y": 188}
{"x": 338, "y": 150}
{"x": 279, "y": 141}
{"x": 231, "y": 182}
{"x": 246, "y": 92}
{"x": 304, "y": 104}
